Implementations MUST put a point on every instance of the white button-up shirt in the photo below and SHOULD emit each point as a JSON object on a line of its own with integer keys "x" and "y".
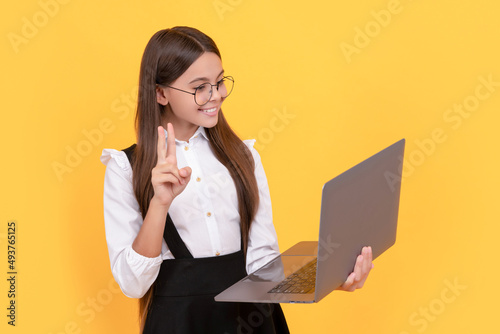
{"x": 205, "y": 215}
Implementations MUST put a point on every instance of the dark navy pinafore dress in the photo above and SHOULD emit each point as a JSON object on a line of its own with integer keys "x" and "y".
{"x": 183, "y": 296}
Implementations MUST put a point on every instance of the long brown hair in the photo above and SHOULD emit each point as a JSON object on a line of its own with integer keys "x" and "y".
{"x": 168, "y": 54}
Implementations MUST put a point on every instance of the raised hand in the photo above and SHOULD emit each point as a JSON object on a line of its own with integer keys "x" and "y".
{"x": 168, "y": 181}
{"x": 362, "y": 268}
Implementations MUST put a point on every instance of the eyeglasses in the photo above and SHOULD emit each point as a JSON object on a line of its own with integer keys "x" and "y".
{"x": 203, "y": 93}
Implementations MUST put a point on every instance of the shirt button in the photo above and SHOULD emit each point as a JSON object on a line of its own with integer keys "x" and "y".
{"x": 186, "y": 148}
{"x": 198, "y": 179}
{"x": 209, "y": 214}
{"x": 217, "y": 254}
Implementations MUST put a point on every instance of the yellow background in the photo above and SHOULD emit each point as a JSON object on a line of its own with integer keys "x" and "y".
{"x": 76, "y": 70}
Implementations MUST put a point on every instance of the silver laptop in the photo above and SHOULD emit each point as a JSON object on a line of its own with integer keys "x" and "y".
{"x": 358, "y": 208}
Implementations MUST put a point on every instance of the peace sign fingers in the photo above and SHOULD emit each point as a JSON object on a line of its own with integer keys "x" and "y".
{"x": 166, "y": 148}
{"x": 168, "y": 181}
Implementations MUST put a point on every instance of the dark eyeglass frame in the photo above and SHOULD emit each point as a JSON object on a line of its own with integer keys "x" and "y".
{"x": 211, "y": 89}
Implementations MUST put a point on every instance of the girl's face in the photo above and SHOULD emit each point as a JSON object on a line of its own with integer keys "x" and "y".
{"x": 182, "y": 111}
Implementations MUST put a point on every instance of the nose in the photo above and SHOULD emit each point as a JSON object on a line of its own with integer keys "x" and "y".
{"x": 215, "y": 94}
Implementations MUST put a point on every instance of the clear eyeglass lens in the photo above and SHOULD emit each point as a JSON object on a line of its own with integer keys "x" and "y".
{"x": 204, "y": 92}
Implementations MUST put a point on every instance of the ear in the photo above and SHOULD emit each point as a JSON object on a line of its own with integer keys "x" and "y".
{"x": 160, "y": 96}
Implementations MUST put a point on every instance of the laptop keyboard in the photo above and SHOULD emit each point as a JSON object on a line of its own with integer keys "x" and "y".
{"x": 301, "y": 281}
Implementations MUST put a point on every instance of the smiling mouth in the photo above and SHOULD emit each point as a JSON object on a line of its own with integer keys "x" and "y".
{"x": 208, "y": 111}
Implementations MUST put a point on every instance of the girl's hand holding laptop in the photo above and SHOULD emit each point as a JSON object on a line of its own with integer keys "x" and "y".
{"x": 362, "y": 268}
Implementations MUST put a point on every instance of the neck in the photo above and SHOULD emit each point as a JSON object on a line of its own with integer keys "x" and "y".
{"x": 182, "y": 132}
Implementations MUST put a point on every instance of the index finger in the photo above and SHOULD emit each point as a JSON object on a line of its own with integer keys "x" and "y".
{"x": 170, "y": 141}
{"x": 161, "y": 149}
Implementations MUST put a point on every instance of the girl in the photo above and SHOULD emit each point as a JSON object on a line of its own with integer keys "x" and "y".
{"x": 187, "y": 210}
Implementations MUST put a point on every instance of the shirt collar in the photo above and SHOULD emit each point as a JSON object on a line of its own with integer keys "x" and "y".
{"x": 200, "y": 131}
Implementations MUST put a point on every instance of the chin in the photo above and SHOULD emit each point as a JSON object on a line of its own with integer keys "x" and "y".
{"x": 209, "y": 125}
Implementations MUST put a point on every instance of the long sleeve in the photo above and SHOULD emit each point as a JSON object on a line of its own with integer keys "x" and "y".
{"x": 133, "y": 272}
{"x": 205, "y": 214}
{"x": 263, "y": 241}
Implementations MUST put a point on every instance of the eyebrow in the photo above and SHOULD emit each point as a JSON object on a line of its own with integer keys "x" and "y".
{"x": 204, "y": 78}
